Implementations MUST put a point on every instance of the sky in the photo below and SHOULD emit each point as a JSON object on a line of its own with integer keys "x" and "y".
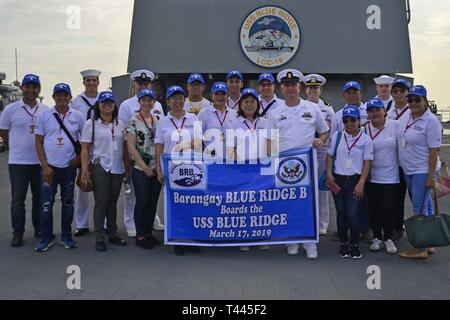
{"x": 52, "y": 46}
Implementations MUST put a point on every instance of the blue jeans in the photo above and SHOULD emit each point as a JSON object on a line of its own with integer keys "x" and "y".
{"x": 416, "y": 185}
{"x": 348, "y": 209}
{"x": 65, "y": 178}
{"x": 22, "y": 176}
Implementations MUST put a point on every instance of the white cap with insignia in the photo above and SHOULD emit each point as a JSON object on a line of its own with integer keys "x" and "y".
{"x": 314, "y": 80}
{"x": 384, "y": 80}
{"x": 142, "y": 75}
{"x": 90, "y": 73}
{"x": 290, "y": 76}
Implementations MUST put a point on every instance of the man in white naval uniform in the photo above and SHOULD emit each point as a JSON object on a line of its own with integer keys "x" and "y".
{"x": 85, "y": 103}
{"x": 297, "y": 121}
{"x": 314, "y": 88}
{"x": 142, "y": 79}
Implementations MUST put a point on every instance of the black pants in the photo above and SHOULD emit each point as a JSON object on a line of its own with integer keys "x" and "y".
{"x": 147, "y": 194}
{"x": 399, "y": 211}
{"x": 22, "y": 176}
{"x": 382, "y": 205}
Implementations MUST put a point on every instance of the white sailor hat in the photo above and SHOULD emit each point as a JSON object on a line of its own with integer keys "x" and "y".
{"x": 90, "y": 73}
{"x": 142, "y": 75}
{"x": 290, "y": 76}
{"x": 384, "y": 80}
{"x": 314, "y": 80}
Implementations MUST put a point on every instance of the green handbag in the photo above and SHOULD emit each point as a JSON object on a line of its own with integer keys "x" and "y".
{"x": 429, "y": 231}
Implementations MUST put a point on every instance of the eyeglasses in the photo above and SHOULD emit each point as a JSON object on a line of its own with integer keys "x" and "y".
{"x": 347, "y": 120}
{"x": 416, "y": 100}
{"x": 399, "y": 90}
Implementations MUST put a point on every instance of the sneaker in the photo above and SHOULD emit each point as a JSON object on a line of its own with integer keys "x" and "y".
{"x": 355, "y": 252}
{"x": 323, "y": 232}
{"x": 311, "y": 250}
{"x": 244, "y": 249}
{"x": 158, "y": 227}
{"x": 390, "y": 247}
{"x": 17, "y": 240}
{"x": 344, "y": 251}
{"x": 367, "y": 236}
{"x": 178, "y": 250}
{"x": 292, "y": 249}
{"x": 69, "y": 243}
{"x": 153, "y": 240}
{"x": 264, "y": 248}
{"x": 144, "y": 244}
{"x": 376, "y": 245}
{"x": 43, "y": 246}
{"x": 81, "y": 232}
{"x": 131, "y": 233}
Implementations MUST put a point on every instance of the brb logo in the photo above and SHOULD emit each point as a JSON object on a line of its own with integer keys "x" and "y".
{"x": 191, "y": 176}
{"x": 270, "y": 36}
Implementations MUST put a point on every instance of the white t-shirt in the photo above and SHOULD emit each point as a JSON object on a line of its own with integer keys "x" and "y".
{"x": 108, "y": 144}
{"x": 196, "y": 107}
{"x": 415, "y": 138}
{"x": 212, "y": 120}
{"x": 250, "y": 138}
{"x": 297, "y": 125}
{"x": 384, "y": 167}
{"x": 129, "y": 107}
{"x": 396, "y": 114}
{"x": 20, "y": 120}
{"x": 338, "y": 125}
{"x": 80, "y": 105}
{"x": 59, "y": 151}
{"x": 349, "y": 163}
{"x": 263, "y": 105}
{"x": 170, "y": 131}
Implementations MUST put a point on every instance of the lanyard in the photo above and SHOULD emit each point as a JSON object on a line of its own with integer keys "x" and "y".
{"x": 176, "y": 127}
{"x": 254, "y": 126}
{"x": 31, "y": 114}
{"x": 401, "y": 113}
{"x": 150, "y": 130}
{"x": 195, "y": 108}
{"x": 411, "y": 124}
{"x": 62, "y": 119}
{"x": 223, "y": 120}
{"x": 235, "y": 103}
{"x": 354, "y": 143}
{"x": 370, "y": 132}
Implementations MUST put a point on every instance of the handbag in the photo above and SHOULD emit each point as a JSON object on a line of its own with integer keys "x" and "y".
{"x": 90, "y": 186}
{"x": 429, "y": 231}
{"x": 323, "y": 176}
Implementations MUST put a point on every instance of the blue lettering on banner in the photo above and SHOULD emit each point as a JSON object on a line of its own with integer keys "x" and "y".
{"x": 209, "y": 204}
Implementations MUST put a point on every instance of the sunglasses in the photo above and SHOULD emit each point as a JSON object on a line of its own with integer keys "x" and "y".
{"x": 416, "y": 100}
{"x": 399, "y": 90}
{"x": 348, "y": 120}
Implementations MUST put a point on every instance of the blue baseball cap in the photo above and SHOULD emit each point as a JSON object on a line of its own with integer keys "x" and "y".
{"x": 351, "y": 111}
{"x": 352, "y": 85}
{"x": 219, "y": 86}
{"x": 173, "y": 90}
{"x": 249, "y": 92}
{"x": 266, "y": 77}
{"x": 419, "y": 91}
{"x": 62, "y": 87}
{"x": 235, "y": 73}
{"x": 400, "y": 83}
{"x": 106, "y": 95}
{"x": 31, "y": 78}
{"x": 196, "y": 77}
{"x": 375, "y": 103}
{"x": 146, "y": 93}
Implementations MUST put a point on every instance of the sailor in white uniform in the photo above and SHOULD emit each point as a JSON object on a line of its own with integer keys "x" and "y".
{"x": 384, "y": 88}
{"x": 142, "y": 79}
{"x": 85, "y": 103}
{"x": 314, "y": 88}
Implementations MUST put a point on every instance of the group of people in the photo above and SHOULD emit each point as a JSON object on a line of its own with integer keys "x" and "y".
{"x": 370, "y": 153}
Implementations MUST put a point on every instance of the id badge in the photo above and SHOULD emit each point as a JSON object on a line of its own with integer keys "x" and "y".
{"x": 152, "y": 150}
{"x": 32, "y": 127}
{"x": 348, "y": 163}
{"x": 60, "y": 142}
{"x": 115, "y": 146}
{"x": 403, "y": 142}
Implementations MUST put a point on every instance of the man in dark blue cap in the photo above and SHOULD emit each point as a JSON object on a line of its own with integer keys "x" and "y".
{"x": 195, "y": 101}
{"x": 235, "y": 82}
{"x": 17, "y": 126}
